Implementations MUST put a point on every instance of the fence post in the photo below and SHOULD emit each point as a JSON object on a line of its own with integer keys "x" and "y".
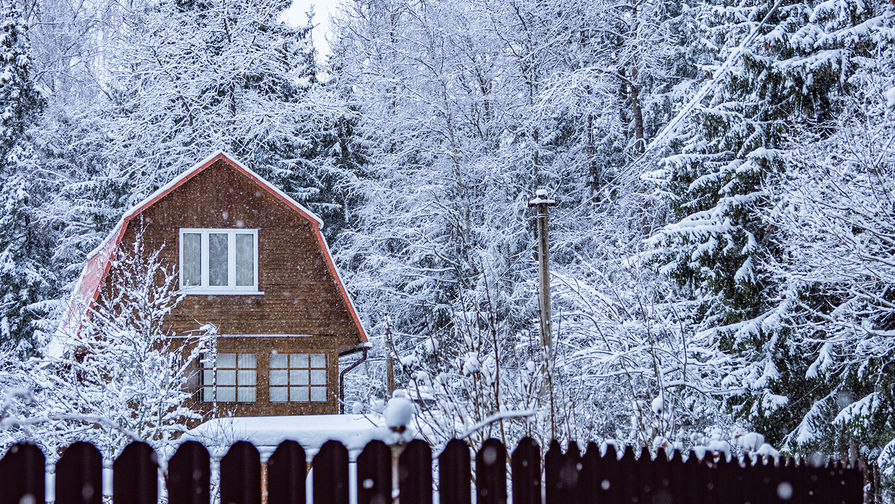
{"x": 526, "y": 475}
{"x": 415, "y": 473}
{"x": 330, "y": 468}
{"x": 286, "y": 471}
{"x": 22, "y": 475}
{"x": 189, "y": 475}
{"x": 454, "y": 480}
{"x": 491, "y": 473}
{"x": 374, "y": 474}
{"x": 135, "y": 475}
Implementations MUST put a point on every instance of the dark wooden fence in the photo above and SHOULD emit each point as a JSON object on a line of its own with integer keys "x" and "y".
{"x": 568, "y": 477}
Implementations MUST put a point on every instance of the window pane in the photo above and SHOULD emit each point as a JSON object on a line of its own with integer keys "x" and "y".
{"x": 226, "y": 377}
{"x": 279, "y": 360}
{"x": 217, "y": 259}
{"x": 279, "y": 378}
{"x": 318, "y": 377}
{"x": 226, "y": 360}
{"x": 226, "y": 394}
{"x": 247, "y": 360}
{"x": 298, "y": 360}
{"x": 246, "y": 394}
{"x": 207, "y": 394}
{"x": 298, "y": 377}
{"x": 278, "y": 394}
{"x": 245, "y": 260}
{"x": 298, "y": 394}
{"x": 191, "y": 269}
{"x": 207, "y": 377}
{"x": 247, "y": 377}
{"x": 318, "y": 360}
{"x": 318, "y": 394}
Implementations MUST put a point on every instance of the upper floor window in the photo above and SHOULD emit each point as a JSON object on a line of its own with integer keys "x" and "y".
{"x": 219, "y": 261}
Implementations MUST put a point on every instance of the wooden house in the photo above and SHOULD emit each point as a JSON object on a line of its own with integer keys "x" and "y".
{"x": 252, "y": 262}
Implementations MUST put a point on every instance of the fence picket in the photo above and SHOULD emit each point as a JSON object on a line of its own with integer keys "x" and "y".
{"x": 628, "y": 470}
{"x": 374, "y": 474}
{"x": 415, "y": 473}
{"x": 554, "y": 490}
{"x": 677, "y": 475}
{"x": 79, "y": 475}
{"x": 491, "y": 473}
{"x": 330, "y": 470}
{"x": 725, "y": 479}
{"x": 766, "y": 494}
{"x": 839, "y": 481}
{"x": 135, "y": 475}
{"x": 645, "y": 477}
{"x": 854, "y": 483}
{"x": 22, "y": 473}
{"x": 286, "y": 470}
{"x": 241, "y": 475}
{"x": 693, "y": 479}
{"x": 812, "y": 475}
{"x": 526, "y": 475}
{"x": 454, "y": 480}
{"x": 189, "y": 475}
{"x": 590, "y": 477}
{"x": 661, "y": 480}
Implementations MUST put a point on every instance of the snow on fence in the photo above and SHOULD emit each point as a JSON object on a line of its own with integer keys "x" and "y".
{"x": 568, "y": 477}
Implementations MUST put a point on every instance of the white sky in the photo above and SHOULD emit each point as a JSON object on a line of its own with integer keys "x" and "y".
{"x": 323, "y": 9}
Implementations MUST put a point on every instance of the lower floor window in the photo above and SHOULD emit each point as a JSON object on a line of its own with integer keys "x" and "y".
{"x": 297, "y": 377}
{"x": 231, "y": 378}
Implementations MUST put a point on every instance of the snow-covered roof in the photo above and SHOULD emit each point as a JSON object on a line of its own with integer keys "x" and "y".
{"x": 90, "y": 281}
{"x": 310, "y": 431}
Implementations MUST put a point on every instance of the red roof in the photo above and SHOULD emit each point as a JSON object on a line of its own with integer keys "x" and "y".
{"x": 100, "y": 259}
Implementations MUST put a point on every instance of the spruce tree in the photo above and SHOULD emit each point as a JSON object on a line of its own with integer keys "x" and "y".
{"x": 25, "y": 278}
{"x": 787, "y": 80}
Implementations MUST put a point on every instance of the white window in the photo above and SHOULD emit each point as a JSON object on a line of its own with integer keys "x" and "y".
{"x": 219, "y": 261}
{"x": 234, "y": 378}
{"x": 297, "y": 377}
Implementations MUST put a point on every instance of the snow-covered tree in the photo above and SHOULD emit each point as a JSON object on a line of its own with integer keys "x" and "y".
{"x": 833, "y": 208}
{"x": 25, "y": 276}
{"x": 124, "y": 375}
{"x": 19, "y": 100}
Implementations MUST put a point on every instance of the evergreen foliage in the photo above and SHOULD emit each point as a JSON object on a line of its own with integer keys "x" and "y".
{"x": 26, "y": 278}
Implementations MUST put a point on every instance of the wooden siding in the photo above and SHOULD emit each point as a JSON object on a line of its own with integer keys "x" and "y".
{"x": 300, "y": 294}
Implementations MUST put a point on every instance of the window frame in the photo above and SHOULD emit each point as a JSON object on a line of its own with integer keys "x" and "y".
{"x": 288, "y": 386}
{"x": 236, "y": 386}
{"x": 204, "y": 287}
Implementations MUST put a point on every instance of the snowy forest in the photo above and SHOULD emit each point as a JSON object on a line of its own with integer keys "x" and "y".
{"x": 722, "y": 245}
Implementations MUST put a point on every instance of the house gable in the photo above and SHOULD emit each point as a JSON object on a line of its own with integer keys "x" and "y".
{"x": 295, "y": 263}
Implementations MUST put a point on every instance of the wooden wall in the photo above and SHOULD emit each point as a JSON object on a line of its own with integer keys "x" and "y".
{"x": 300, "y": 295}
